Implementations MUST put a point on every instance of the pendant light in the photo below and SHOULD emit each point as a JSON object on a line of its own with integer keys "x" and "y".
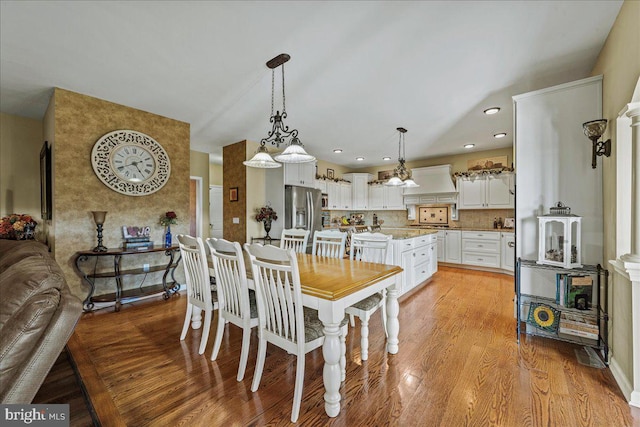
{"x": 401, "y": 175}
{"x": 280, "y": 132}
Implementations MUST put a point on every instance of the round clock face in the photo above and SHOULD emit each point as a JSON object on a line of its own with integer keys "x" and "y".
{"x": 130, "y": 162}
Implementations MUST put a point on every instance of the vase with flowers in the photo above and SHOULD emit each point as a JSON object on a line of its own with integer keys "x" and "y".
{"x": 167, "y": 219}
{"x": 18, "y": 227}
{"x": 266, "y": 215}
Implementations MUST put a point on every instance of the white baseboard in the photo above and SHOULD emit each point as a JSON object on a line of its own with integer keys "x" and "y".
{"x": 622, "y": 380}
{"x": 635, "y": 399}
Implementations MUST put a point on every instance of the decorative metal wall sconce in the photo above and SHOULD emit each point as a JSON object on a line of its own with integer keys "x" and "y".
{"x": 594, "y": 130}
{"x": 99, "y": 217}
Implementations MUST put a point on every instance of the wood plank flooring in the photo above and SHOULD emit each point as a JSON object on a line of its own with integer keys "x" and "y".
{"x": 458, "y": 365}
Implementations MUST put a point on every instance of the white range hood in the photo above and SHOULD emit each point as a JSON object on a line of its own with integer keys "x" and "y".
{"x": 433, "y": 180}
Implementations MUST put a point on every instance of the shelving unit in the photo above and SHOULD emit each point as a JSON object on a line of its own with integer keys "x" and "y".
{"x": 121, "y": 295}
{"x": 597, "y": 312}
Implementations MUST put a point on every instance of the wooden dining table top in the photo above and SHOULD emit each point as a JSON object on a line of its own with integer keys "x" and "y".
{"x": 333, "y": 278}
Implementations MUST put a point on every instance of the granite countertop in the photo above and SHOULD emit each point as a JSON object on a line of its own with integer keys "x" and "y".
{"x": 427, "y": 227}
{"x": 407, "y": 233}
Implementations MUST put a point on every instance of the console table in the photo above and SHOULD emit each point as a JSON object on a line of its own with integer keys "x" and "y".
{"x": 121, "y": 295}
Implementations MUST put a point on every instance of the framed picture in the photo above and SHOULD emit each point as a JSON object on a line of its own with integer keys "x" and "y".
{"x": 45, "y": 181}
{"x": 330, "y": 173}
{"x": 129, "y": 232}
{"x": 233, "y": 194}
{"x": 384, "y": 175}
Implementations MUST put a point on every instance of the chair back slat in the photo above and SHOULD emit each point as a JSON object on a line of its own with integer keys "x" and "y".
{"x": 295, "y": 239}
{"x": 196, "y": 271}
{"x": 231, "y": 277}
{"x": 278, "y": 291}
{"x": 329, "y": 243}
{"x": 370, "y": 247}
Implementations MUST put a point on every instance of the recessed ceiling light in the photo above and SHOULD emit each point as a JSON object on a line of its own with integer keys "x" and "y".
{"x": 492, "y": 110}
{"x": 500, "y": 135}
{"x": 359, "y": 159}
{"x": 386, "y": 158}
{"x": 338, "y": 150}
{"x": 469, "y": 145}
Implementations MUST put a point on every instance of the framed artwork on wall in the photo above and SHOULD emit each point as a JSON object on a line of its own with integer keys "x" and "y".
{"x": 45, "y": 181}
{"x": 233, "y": 194}
{"x": 330, "y": 173}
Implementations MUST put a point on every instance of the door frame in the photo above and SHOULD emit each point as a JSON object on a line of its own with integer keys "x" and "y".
{"x": 198, "y": 180}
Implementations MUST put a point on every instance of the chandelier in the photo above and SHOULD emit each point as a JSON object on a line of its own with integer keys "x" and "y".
{"x": 280, "y": 133}
{"x": 401, "y": 174}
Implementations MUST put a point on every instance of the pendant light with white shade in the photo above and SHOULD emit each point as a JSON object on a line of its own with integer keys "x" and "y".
{"x": 280, "y": 132}
{"x": 401, "y": 174}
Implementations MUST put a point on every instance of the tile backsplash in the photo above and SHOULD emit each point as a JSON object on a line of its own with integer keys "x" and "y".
{"x": 473, "y": 218}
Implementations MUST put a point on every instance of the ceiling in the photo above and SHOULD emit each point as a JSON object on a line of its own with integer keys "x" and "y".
{"x": 358, "y": 70}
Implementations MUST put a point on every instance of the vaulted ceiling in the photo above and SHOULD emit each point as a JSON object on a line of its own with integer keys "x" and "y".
{"x": 358, "y": 70}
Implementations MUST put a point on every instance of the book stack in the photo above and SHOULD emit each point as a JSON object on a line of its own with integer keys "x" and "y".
{"x": 137, "y": 243}
{"x": 574, "y": 291}
{"x": 578, "y": 325}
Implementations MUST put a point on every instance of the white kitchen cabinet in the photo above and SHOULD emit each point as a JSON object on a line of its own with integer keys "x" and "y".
{"x": 383, "y": 197}
{"x": 345, "y": 195}
{"x": 452, "y": 252}
{"x": 508, "y": 251}
{"x": 321, "y": 185}
{"x": 334, "y": 195}
{"x": 416, "y": 257}
{"x": 441, "y": 245}
{"x": 301, "y": 174}
{"x": 359, "y": 190}
{"x": 481, "y": 248}
{"x": 486, "y": 192}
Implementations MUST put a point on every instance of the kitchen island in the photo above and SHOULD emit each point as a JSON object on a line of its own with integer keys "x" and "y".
{"x": 415, "y": 250}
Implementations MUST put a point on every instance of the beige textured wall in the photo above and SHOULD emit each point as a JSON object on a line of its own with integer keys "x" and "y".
{"x": 20, "y": 142}
{"x": 79, "y": 122}
{"x": 199, "y": 166}
{"x": 234, "y": 175}
{"x": 619, "y": 63}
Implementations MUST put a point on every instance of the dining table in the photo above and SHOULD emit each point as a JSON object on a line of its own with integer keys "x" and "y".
{"x": 330, "y": 285}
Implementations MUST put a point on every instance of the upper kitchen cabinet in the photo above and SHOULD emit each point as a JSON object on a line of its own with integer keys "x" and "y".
{"x": 301, "y": 174}
{"x": 487, "y": 192}
{"x": 359, "y": 189}
{"x": 321, "y": 184}
{"x": 339, "y": 195}
{"x": 383, "y": 197}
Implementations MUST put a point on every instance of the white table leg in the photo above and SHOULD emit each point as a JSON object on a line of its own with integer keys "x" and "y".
{"x": 331, "y": 372}
{"x": 393, "y": 325}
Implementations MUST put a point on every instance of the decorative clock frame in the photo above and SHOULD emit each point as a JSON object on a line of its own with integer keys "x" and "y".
{"x": 102, "y": 161}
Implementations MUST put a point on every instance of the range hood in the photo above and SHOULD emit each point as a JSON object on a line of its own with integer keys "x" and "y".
{"x": 433, "y": 180}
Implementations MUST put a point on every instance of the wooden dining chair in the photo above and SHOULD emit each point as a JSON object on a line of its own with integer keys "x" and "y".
{"x": 237, "y": 304}
{"x": 369, "y": 247}
{"x": 284, "y": 321}
{"x": 199, "y": 293}
{"x": 295, "y": 238}
{"x": 329, "y": 243}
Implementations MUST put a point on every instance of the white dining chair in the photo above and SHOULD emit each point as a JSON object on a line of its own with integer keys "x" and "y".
{"x": 329, "y": 243}
{"x": 284, "y": 321}
{"x": 294, "y": 238}
{"x": 237, "y": 304}
{"x": 199, "y": 293}
{"x": 368, "y": 247}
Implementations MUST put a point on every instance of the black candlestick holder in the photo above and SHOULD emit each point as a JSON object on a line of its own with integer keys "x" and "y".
{"x": 99, "y": 217}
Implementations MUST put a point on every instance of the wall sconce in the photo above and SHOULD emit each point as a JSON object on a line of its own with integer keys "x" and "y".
{"x": 99, "y": 217}
{"x": 594, "y": 130}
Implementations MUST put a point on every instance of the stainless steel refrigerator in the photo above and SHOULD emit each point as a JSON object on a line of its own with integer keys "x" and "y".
{"x": 303, "y": 209}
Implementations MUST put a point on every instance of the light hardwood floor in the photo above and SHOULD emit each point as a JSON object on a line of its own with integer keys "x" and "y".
{"x": 458, "y": 365}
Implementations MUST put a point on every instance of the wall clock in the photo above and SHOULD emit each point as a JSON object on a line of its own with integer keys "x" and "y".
{"x": 130, "y": 162}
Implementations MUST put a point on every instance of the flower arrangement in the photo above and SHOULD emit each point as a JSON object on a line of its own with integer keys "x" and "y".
{"x": 17, "y": 227}
{"x": 266, "y": 214}
{"x": 169, "y": 218}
